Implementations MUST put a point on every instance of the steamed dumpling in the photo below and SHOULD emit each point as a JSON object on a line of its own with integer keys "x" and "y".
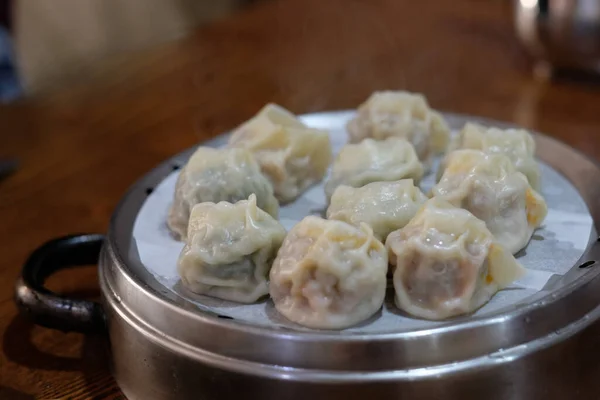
{"x": 384, "y": 206}
{"x": 401, "y": 114}
{"x": 292, "y": 155}
{"x": 329, "y": 274}
{"x": 218, "y": 175}
{"x": 489, "y": 186}
{"x": 229, "y": 250}
{"x": 447, "y": 263}
{"x": 374, "y": 161}
{"x": 517, "y": 144}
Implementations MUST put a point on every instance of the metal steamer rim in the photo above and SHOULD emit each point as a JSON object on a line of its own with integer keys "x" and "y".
{"x": 569, "y": 304}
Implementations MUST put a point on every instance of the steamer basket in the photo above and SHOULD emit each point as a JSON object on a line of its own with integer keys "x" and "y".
{"x": 167, "y": 345}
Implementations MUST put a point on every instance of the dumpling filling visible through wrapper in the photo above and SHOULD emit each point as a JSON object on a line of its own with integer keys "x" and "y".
{"x": 214, "y": 175}
{"x": 229, "y": 250}
{"x": 292, "y": 155}
{"x": 329, "y": 274}
{"x": 384, "y": 206}
{"x": 489, "y": 186}
{"x": 370, "y": 161}
{"x": 447, "y": 263}
{"x": 517, "y": 144}
{"x": 403, "y": 115}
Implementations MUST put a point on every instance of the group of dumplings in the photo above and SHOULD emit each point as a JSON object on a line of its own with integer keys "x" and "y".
{"x": 448, "y": 253}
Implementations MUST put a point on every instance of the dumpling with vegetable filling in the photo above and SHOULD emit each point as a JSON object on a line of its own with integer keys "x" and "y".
{"x": 215, "y": 175}
{"x": 292, "y": 155}
{"x": 517, "y": 144}
{"x": 447, "y": 263}
{"x": 374, "y": 161}
{"x": 329, "y": 274}
{"x": 489, "y": 186}
{"x": 229, "y": 250}
{"x": 384, "y": 206}
{"x": 401, "y": 114}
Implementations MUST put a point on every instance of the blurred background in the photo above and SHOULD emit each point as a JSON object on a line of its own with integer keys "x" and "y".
{"x": 38, "y": 53}
{"x": 95, "y": 93}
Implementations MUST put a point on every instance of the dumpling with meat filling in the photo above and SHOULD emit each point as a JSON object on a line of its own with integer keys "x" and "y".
{"x": 489, "y": 186}
{"x": 447, "y": 263}
{"x": 292, "y": 155}
{"x": 401, "y": 114}
{"x": 229, "y": 250}
{"x": 329, "y": 274}
{"x": 374, "y": 161}
{"x": 215, "y": 175}
{"x": 517, "y": 144}
{"x": 384, "y": 206}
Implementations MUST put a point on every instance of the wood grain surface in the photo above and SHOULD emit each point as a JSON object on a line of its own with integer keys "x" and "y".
{"x": 82, "y": 147}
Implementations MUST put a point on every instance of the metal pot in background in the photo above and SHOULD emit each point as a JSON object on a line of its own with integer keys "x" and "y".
{"x": 560, "y": 33}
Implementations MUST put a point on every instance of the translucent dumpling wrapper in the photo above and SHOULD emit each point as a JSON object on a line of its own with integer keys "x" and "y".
{"x": 215, "y": 175}
{"x": 517, "y": 144}
{"x": 229, "y": 250}
{"x": 329, "y": 274}
{"x": 401, "y": 114}
{"x": 447, "y": 263}
{"x": 489, "y": 186}
{"x": 369, "y": 161}
{"x": 292, "y": 155}
{"x": 384, "y": 206}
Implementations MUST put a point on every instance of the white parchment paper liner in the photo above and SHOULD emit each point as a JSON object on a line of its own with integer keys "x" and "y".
{"x": 553, "y": 250}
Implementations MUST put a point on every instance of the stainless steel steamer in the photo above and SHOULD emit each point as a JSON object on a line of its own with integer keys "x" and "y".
{"x": 164, "y": 347}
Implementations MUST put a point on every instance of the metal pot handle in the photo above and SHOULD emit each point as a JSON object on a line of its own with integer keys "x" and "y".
{"x": 49, "y": 309}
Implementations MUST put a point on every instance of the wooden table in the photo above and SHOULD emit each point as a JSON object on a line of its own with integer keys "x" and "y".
{"x": 82, "y": 147}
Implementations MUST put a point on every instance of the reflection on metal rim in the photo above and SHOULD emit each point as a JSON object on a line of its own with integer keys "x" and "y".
{"x": 139, "y": 301}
